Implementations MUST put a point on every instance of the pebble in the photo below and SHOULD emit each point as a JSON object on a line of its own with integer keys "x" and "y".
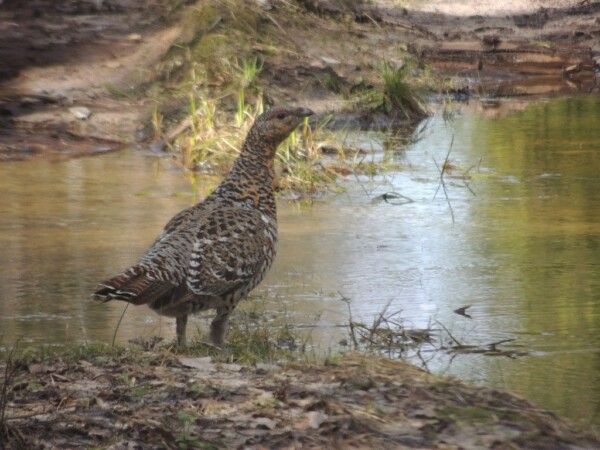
{"x": 80, "y": 112}
{"x": 330, "y": 61}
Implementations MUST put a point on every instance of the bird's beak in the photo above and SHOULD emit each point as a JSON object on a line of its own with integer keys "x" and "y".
{"x": 304, "y": 112}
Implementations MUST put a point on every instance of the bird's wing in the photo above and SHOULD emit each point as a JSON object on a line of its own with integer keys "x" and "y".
{"x": 159, "y": 272}
{"x": 211, "y": 252}
{"x": 167, "y": 257}
{"x": 231, "y": 247}
{"x": 134, "y": 286}
{"x": 179, "y": 218}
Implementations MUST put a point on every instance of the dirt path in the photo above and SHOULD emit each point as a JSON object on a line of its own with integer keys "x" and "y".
{"x": 66, "y": 68}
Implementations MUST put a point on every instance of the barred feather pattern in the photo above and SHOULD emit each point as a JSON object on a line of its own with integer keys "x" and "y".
{"x": 217, "y": 250}
{"x": 214, "y": 253}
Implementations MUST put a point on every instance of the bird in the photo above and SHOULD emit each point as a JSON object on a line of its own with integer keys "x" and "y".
{"x": 212, "y": 254}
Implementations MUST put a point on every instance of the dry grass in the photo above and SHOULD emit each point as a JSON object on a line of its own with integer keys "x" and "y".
{"x": 217, "y": 72}
{"x": 11, "y": 369}
{"x": 396, "y": 93}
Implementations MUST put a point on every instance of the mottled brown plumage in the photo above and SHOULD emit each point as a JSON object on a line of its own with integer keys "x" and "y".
{"x": 212, "y": 254}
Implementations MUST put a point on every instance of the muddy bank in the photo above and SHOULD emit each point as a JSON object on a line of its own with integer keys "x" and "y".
{"x": 500, "y": 49}
{"x": 125, "y": 399}
{"x": 68, "y": 71}
{"x": 84, "y": 77}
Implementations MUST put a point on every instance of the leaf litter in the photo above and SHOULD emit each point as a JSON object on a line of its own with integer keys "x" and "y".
{"x": 161, "y": 400}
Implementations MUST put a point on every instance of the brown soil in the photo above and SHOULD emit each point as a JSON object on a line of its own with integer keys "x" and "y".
{"x": 59, "y": 55}
{"x": 160, "y": 400}
{"x": 509, "y": 48}
{"x": 542, "y": 51}
{"x": 101, "y": 54}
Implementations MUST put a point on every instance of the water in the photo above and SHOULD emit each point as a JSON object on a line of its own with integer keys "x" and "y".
{"x": 524, "y": 251}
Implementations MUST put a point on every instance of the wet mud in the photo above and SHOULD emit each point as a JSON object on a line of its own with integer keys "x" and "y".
{"x": 59, "y": 59}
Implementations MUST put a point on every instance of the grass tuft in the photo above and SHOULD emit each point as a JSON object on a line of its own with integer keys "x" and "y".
{"x": 399, "y": 96}
{"x": 216, "y": 76}
{"x": 395, "y": 94}
{"x": 251, "y": 339}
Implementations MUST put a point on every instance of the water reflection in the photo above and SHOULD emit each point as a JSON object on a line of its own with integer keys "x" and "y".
{"x": 524, "y": 251}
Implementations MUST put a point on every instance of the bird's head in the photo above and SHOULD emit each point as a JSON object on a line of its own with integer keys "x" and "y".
{"x": 271, "y": 128}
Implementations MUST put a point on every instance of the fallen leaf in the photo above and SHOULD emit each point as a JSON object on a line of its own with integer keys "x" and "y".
{"x": 101, "y": 403}
{"x": 80, "y": 112}
{"x": 38, "y": 368}
{"x": 265, "y": 422}
{"x": 205, "y": 364}
{"x": 231, "y": 367}
{"x": 312, "y": 419}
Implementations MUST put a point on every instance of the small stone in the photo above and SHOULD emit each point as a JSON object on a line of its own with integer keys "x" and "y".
{"x": 232, "y": 367}
{"x": 315, "y": 419}
{"x": 330, "y": 61}
{"x": 113, "y": 64}
{"x": 263, "y": 368}
{"x": 80, "y": 112}
{"x": 203, "y": 365}
{"x": 265, "y": 5}
{"x": 265, "y": 422}
{"x": 38, "y": 368}
{"x": 134, "y": 37}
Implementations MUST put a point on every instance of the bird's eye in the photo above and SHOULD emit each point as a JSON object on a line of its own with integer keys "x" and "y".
{"x": 281, "y": 116}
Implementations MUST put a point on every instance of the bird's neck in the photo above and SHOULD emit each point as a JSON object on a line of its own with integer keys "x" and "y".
{"x": 253, "y": 169}
{"x": 250, "y": 180}
{"x": 256, "y": 147}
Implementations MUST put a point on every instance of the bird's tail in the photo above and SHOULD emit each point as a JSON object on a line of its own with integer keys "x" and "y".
{"x": 132, "y": 286}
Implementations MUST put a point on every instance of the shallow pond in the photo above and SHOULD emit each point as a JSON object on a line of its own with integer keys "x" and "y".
{"x": 523, "y": 248}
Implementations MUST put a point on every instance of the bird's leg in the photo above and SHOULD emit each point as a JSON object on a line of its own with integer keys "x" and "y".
{"x": 181, "y": 323}
{"x": 218, "y": 326}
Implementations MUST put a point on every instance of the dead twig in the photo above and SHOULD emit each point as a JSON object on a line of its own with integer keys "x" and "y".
{"x": 456, "y": 341}
{"x": 442, "y": 182}
{"x": 389, "y": 198}
{"x": 462, "y": 311}
{"x": 184, "y": 125}
{"x": 346, "y": 300}
{"x": 492, "y": 346}
{"x": 10, "y": 371}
